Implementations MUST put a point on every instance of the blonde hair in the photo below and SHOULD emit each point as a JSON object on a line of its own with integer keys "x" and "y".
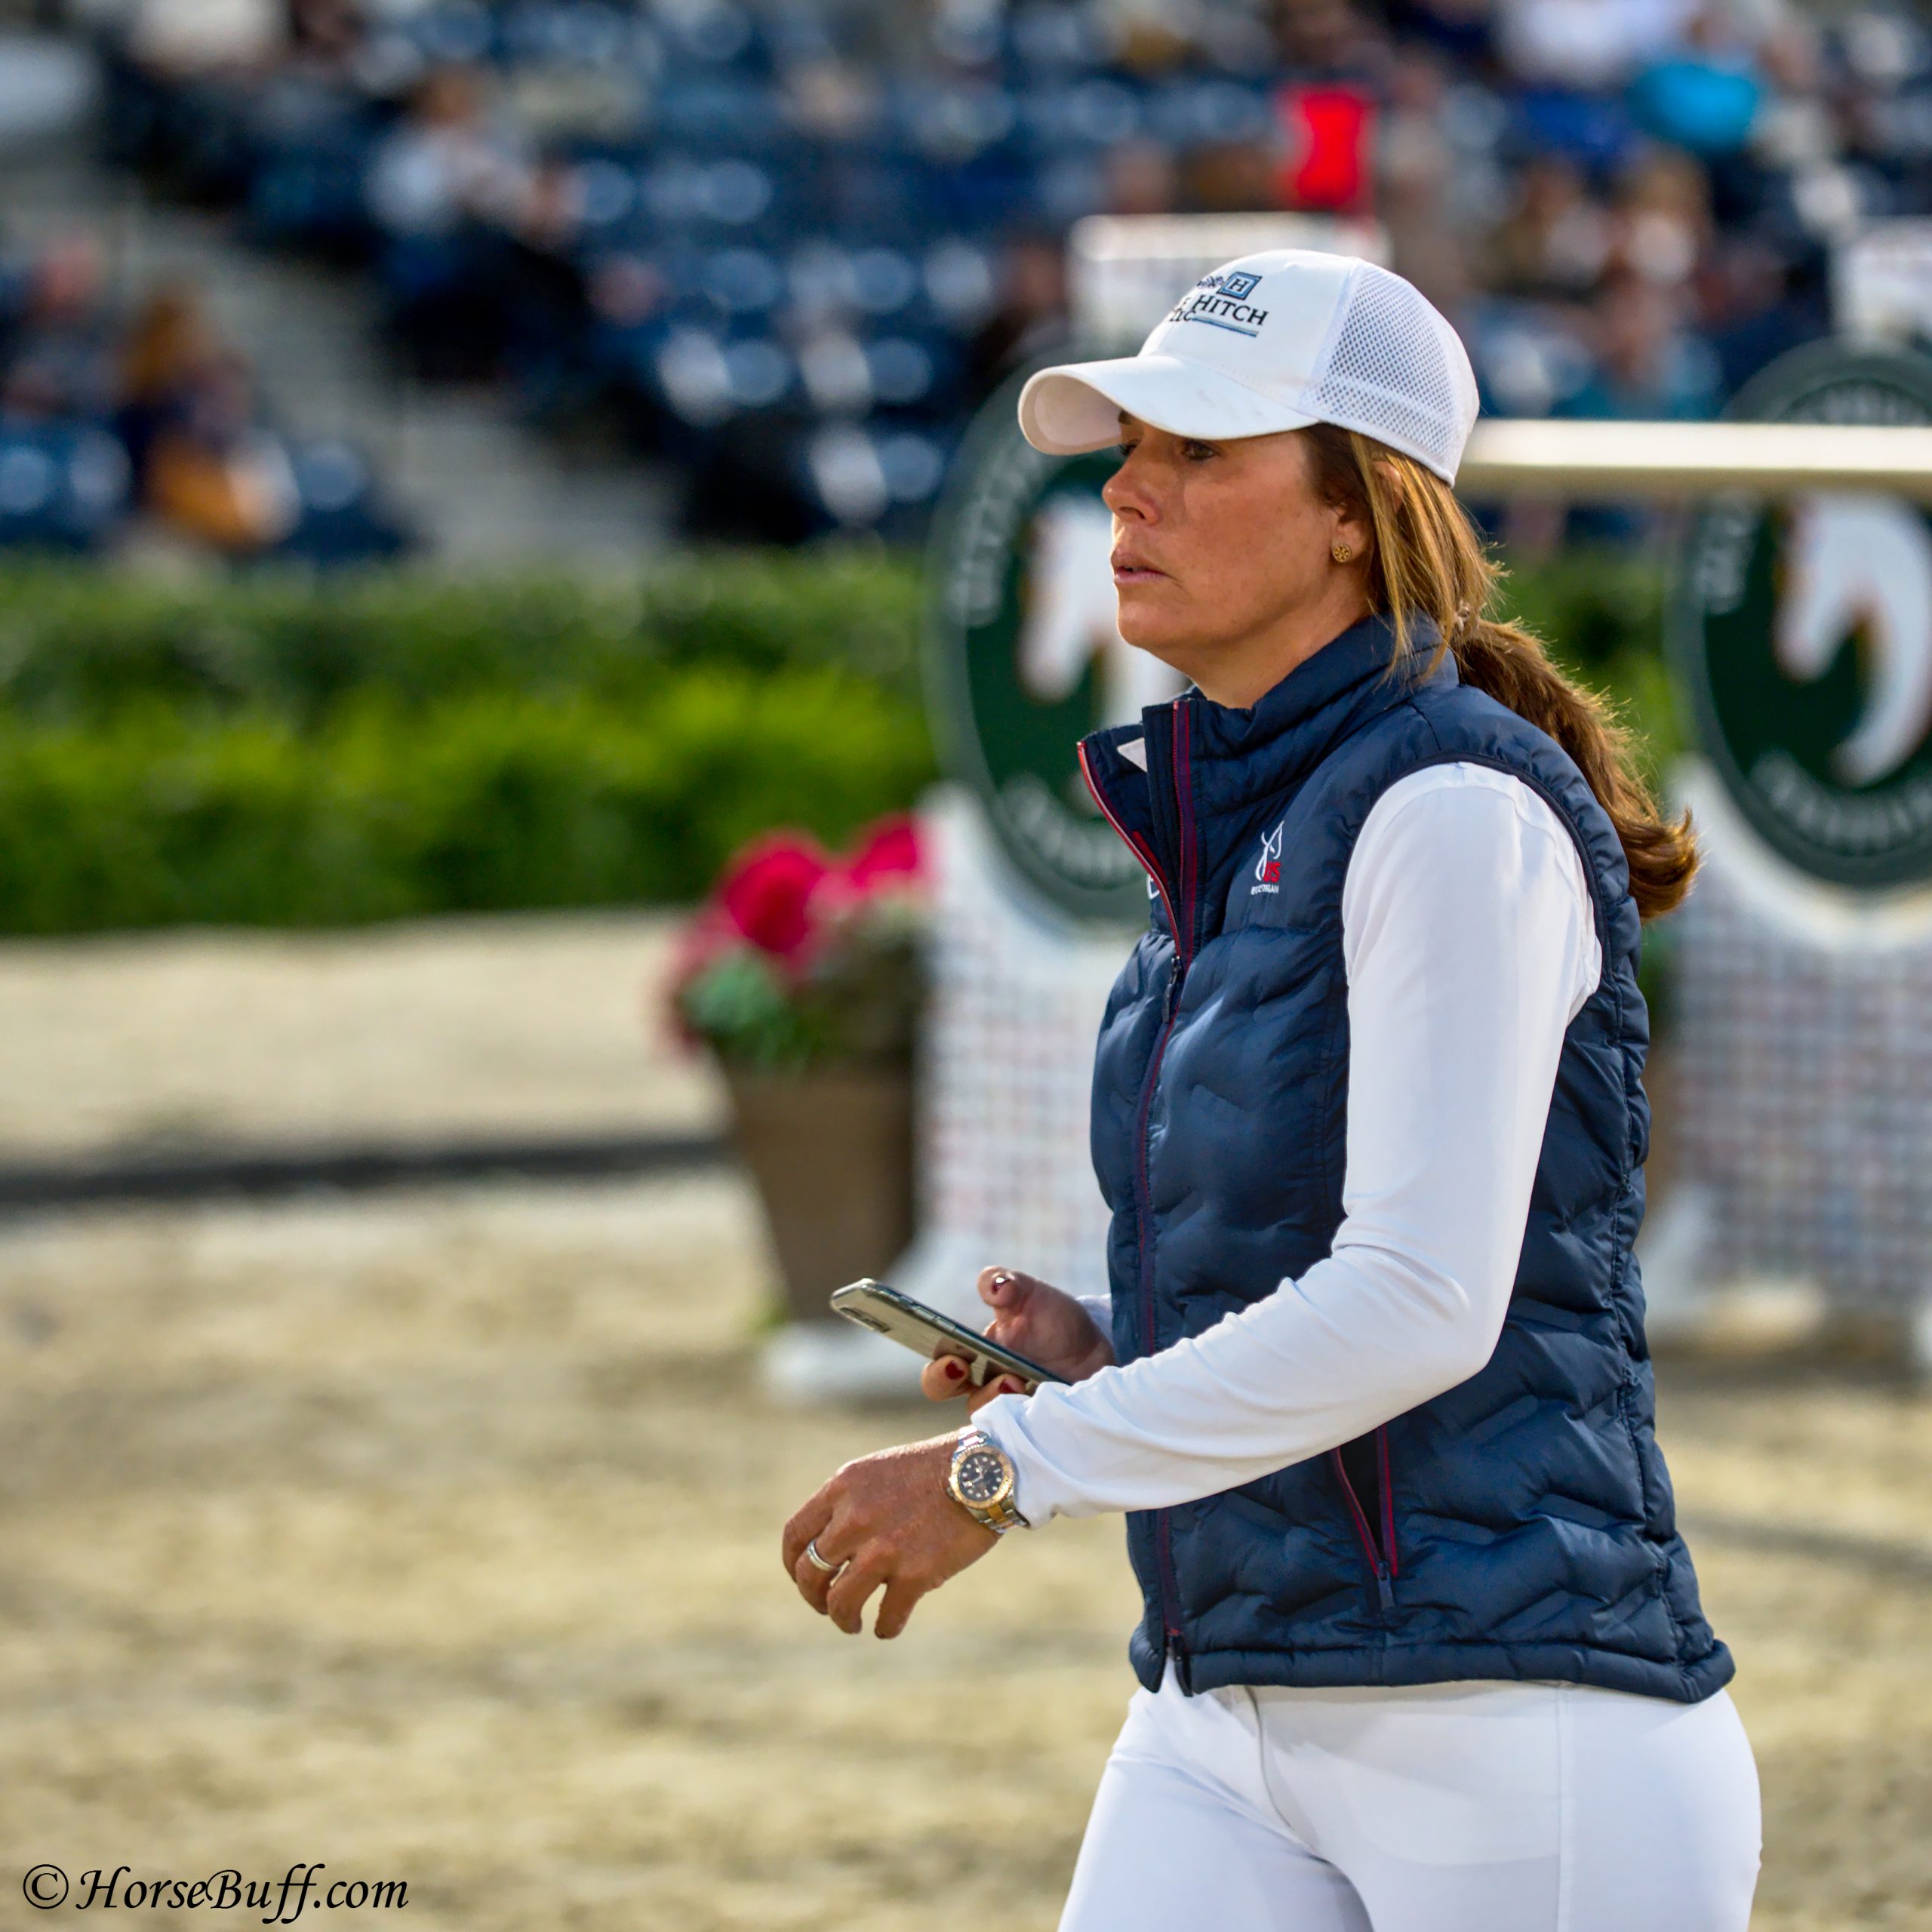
{"x": 1426, "y": 558}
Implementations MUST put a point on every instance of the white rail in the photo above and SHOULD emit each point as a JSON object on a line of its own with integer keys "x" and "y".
{"x": 1674, "y": 461}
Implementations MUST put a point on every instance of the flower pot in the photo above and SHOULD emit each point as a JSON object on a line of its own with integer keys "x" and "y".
{"x": 831, "y": 1152}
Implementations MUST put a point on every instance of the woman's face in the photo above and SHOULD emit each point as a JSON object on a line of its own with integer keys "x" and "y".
{"x": 1223, "y": 559}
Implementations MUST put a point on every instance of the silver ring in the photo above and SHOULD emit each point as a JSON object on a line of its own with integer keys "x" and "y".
{"x": 819, "y": 1562}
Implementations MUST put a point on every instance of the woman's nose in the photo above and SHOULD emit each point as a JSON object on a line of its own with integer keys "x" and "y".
{"x": 1126, "y": 493}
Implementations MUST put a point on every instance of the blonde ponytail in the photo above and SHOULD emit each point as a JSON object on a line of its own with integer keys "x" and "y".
{"x": 1427, "y": 558}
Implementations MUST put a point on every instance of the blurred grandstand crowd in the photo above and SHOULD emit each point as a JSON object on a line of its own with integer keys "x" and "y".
{"x": 106, "y": 414}
{"x": 789, "y": 247}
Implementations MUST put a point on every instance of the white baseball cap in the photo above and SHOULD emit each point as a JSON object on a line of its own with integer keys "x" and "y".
{"x": 1275, "y": 341}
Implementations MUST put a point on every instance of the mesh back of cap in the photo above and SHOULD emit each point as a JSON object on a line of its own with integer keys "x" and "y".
{"x": 1396, "y": 371}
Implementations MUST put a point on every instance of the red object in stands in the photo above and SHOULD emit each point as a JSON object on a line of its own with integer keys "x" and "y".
{"x": 1331, "y": 163}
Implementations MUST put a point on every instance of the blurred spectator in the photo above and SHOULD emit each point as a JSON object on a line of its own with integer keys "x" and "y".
{"x": 1435, "y": 169}
{"x": 1329, "y": 39}
{"x": 445, "y": 164}
{"x": 1555, "y": 239}
{"x": 437, "y": 186}
{"x": 203, "y": 461}
{"x": 169, "y": 343}
{"x": 56, "y": 353}
{"x": 215, "y": 473}
{"x": 544, "y": 296}
{"x": 327, "y": 33}
{"x": 1756, "y": 304}
{"x": 1660, "y": 218}
{"x": 1031, "y": 314}
{"x": 1649, "y": 366}
{"x": 1702, "y": 96}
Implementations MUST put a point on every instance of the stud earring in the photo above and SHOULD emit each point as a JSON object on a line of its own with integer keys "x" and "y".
{"x": 1341, "y": 553}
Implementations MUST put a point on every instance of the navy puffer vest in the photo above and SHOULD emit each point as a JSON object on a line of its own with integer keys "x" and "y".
{"x": 1520, "y": 1524}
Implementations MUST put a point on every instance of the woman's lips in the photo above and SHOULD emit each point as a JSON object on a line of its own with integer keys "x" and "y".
{"x": 1131, "y": 570}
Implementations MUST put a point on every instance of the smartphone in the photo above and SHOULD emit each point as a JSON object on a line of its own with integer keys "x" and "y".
{"x": 930, "y": 1334}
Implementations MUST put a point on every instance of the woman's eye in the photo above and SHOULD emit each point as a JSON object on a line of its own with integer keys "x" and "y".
{"x": 1126, "y": 449}
{"x": 1198, "y": 452}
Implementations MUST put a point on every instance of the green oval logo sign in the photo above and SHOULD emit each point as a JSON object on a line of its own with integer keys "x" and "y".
{"x": 1024, "y": 658}
{"x": 1803, "y": 633}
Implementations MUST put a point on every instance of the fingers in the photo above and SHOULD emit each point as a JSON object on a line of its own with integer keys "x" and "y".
{"x": 844, "y": 1598}
{"x": 895, "y": 1608}
{"x": 815, "y": 1585}
{"x": 845, "y": 1601}
{"x": 1006, "y": 1289}
{"x": 807, "y": 1522}
{"x": 944, "y": 1377}
{"x": 1001, "y": 1385}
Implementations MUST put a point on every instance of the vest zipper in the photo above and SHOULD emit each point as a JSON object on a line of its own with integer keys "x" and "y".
{"x": 1163, "y": 1552}
{"x": 1386, "y": 1567}
{"x": 1180, "y": 921}
{"x": 1164, "y": 1535}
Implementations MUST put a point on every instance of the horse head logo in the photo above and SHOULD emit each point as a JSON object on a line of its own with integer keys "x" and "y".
{"x": 1268, "y": 867}
{"x": 1863, "y": 565}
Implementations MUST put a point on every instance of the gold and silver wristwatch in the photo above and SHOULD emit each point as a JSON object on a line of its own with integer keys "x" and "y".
{"x": 981, "y": 1479}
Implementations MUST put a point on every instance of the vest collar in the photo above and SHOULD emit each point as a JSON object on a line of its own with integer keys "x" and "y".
{"x": 1205, "y": 773}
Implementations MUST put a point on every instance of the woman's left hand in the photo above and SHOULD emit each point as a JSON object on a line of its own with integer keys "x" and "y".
{"x": 887, "y": 1520}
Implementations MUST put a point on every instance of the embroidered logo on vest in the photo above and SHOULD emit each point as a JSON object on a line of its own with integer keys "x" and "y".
{"x": 1268, "y": 867}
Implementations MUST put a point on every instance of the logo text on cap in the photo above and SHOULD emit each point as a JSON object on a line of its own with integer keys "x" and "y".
{"x": 1218, "y": 300}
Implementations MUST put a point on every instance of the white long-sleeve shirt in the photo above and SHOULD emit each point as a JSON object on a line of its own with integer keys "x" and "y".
{"x": 1470, "y": 944}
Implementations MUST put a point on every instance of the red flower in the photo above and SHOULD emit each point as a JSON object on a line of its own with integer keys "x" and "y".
{"x": 767, "y": 893}
{"x": 809, "y": 914}
{"x": 890, "y": 853}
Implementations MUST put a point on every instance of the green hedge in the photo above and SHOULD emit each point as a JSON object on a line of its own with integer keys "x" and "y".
{"x": 490, "y": 801}
{"x": 304, "y": 751}
{"x": 81, "y": 645}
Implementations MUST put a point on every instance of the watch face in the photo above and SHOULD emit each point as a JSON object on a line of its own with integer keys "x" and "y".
{"x": 981, "y": 1477}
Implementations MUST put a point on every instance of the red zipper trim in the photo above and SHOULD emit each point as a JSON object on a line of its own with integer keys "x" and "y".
{"x": 1152, "y": 865}
{"x": 1134, "y": 845}
{"x": 1364, "y": 1535}
{"x": 1388, "y": 1503}
{"x": 1357, "y": 1514}
{"x": 1184, "y": 799}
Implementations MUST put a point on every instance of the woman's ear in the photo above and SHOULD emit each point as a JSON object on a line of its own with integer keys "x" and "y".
{"x": 1355, "y": 524}
{"x": 1352, "y": 533}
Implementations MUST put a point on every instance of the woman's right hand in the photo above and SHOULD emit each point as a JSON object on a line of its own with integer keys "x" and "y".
{"x": 1036, "y": 1320}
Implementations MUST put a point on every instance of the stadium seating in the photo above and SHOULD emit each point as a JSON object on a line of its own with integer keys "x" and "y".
{"x": 778, "y": 244}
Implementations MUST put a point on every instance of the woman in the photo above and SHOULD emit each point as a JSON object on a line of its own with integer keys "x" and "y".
{"x": 1422, "y": 1650}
